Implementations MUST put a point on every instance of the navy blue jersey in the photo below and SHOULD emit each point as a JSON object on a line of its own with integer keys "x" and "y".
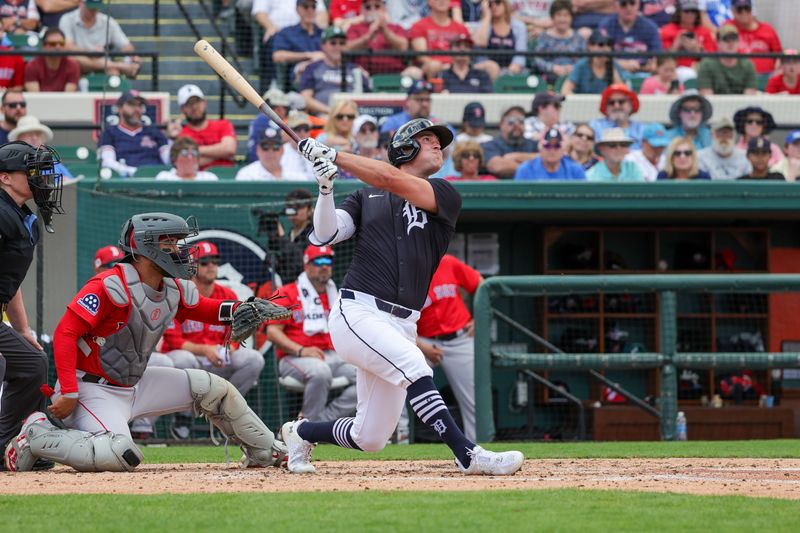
{"x": 137, "y": 147}
{"x": 399, "y": 245}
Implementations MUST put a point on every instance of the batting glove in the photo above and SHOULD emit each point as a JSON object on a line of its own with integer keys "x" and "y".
{"x": 312, "y": 150}
{"x": 325, "y": 172}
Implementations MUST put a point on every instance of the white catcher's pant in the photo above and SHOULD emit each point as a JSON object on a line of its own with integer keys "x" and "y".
{"x": 383, "y": 348}
{"x": 160, "y": 391}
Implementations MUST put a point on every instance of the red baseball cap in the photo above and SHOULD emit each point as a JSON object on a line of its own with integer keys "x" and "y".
{"x": 107, "y": 256}
{"x": 312, "y": 252}
{"x": 204, "y": 249}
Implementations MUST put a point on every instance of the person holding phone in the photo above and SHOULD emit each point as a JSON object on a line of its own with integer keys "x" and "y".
{"x": 687, "y": 33}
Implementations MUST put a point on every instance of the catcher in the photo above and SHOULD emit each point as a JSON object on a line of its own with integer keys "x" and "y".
{"x": 102, "y": 345}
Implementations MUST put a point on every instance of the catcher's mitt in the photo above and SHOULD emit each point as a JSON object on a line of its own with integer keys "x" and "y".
{"x": 252, "y": 313}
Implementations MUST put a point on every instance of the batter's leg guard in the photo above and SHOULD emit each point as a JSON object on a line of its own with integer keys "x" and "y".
{"x": 220, "y": 402}
{"x": 85, "y": 452}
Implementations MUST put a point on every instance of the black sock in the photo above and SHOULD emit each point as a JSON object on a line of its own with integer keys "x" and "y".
{"x": 335, "y": 432}
{"x": 427, "y": 403}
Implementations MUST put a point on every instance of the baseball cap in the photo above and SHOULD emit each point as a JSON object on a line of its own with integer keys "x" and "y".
{"x": 205, "y": 249}
{"x": 462, "y": 38}
{"x": 270, "y": 136}
{"x": 188, "y": 91}
{"x": 298, "y": 118}
{"x": 107, "y": 256}
{"x": 552, "y": 135}
{"x": 791, "y": 52}
{"x": 93, "y": 4}
{"x": 544, "y": 99}
{"x": 313, "y": 252}
{"x": 687, "y": 5}
{"x": 737, "y": 3}
{"x": 276, "y": 97}
{"x": 793, "y": 137}
{"x": 721, "y": 123}
{"x": 727, "y": 31}
{"x": 130, "y": 96}
{"x": 474, "y": 115}
{"x": 361, "y": 120}
{"x": 655, "y": 135}
{"x": 333, "y": 32}
{"x": 599, "y": 37}
{"x": 419, "y": 86}
{"x": 759, "y": 144}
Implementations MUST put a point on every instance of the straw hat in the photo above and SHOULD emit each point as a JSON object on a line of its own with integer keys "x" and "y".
{"x": 614, "y": 135}
{"x": 28, "y": 124}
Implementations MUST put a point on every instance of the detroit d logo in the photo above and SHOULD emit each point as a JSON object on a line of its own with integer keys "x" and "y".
{"x": 415, "y": 218}
{"x": 439, "y": 426}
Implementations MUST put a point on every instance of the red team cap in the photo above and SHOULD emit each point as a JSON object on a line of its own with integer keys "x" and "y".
{"x": 312, "y": 252}
{"x": 205, "y": 249}
{"x": 107, "y": 256}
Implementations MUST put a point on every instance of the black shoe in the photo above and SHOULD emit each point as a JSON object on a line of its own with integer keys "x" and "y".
{"x": 43, "y": 464}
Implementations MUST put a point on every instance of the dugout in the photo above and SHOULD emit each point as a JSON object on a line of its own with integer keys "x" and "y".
{"x": 523, "y": 229}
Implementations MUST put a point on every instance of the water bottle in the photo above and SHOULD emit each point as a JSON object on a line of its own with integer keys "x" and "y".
{"x": 83, "y": 85}
{"x": 680, "y": 426}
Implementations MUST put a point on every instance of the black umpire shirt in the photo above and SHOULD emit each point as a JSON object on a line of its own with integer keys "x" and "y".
{"x": 399, "y": 246}
{"x": 19, "y": 234}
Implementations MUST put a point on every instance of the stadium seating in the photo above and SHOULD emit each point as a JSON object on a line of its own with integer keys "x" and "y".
{"x": 224, "y": 173}
{"x": 77, "y": 154}
{"x": 519, "y": 83}
{"x": 98, "y": 82}
{"x": 150, "y": 171}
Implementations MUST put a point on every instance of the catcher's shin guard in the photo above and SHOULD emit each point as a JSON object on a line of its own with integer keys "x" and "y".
{"x": 220, "y": 402}
{"x": 85, "y": 452}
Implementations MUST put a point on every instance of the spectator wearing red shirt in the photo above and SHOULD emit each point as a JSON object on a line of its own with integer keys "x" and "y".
{"x": 446, "y": 329}
{"x": 216, "y": 138}
{"x": 303, "y": 344}
{"x": 755, "y": 36}
{"x": 12, "y": 69}
{"x": 345, "y": 13}
{"x": 687, "y": 32}
{"x": 374, "y": 32}
{"x": 787, "y": 80}
{"x": 52, "y": 73}
{"x": 435, "y": 33}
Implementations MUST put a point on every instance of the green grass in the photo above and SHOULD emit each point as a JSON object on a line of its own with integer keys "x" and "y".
{"x": 546, "y": 510}
{"x": 709, "y": 449}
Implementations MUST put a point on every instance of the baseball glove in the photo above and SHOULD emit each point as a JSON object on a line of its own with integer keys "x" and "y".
{"x": 249, "y": 315}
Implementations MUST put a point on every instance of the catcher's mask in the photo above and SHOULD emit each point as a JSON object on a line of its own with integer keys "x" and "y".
{"x": 143, "y": 234}
{"x": 404, "y": 148}
{"x": 38, "y": 164}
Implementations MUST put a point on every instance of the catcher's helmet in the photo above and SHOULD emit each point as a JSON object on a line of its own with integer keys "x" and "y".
{"x": 38, "y": 164}
{"x": 142, "y": 234}
{"x": 404, "y": 147}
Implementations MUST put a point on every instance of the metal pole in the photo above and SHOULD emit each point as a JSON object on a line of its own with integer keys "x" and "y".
{"x": 669, "y": 383}
{"x": 40, "y": 285}
{"x": 156, "y": 30}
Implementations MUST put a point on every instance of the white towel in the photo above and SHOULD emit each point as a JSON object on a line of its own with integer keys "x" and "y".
{"x": 315, "y": 319}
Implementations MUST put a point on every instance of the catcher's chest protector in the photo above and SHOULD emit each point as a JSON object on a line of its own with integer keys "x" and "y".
{"x": 125, "y": 354}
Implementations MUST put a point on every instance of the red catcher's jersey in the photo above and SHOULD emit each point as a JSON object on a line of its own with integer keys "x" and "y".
{"x": 444, "y": 311}
{"x": 199, "y": 332}
{"x": 293, "y": 326}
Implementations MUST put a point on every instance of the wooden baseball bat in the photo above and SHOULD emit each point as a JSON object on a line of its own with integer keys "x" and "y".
{"x": 226, "y": 71}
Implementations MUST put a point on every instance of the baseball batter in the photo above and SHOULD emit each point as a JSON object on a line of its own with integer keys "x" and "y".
{"x": 405, "y": 222}
{"x": 102, "y": 345}
{"x": 446, "y": 332}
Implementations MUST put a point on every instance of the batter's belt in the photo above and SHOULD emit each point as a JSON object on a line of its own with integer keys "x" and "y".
{"x": 387, "y": 307}
{"x": 450, "y": 336}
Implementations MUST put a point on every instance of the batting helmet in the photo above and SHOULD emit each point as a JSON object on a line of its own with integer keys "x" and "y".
{"x": 39, "y": 166}
{"x": 404, "y": 147}
{"x": 142, "y": 235}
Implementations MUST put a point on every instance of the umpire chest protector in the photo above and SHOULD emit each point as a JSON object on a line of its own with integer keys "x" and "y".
{"x": 16, "y": 246}
{"x": 124, "y": 354}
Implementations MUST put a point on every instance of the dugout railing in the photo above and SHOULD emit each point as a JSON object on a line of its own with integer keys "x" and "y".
{"x": 545, "y": 356}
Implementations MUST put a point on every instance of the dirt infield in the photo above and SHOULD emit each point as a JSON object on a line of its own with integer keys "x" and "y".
{"x": 778, "y": 478}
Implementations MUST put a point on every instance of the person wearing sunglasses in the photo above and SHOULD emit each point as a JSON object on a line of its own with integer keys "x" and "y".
{"x": 552, "y": 164}
{"x": 630, "y": 31}
{"x": 506, "y": 152}
{"x": 617, "y": 104}
{"x": 681, "y": 162}
{"x": 754, "y": 122}
{"x": 755, "y": 35}
{"x": 581, "y": 148}
{"x": 185, "y": 159}
{"x": 690, "y": 115}
{"x": 546, "y": 115}
{"x": 759, "y": 150}
{"x": 613, "y": 146}
{"x": 323, "y": 78}
{"x": 366, "y": 136}
{"x": 52, "y": 73}
{"x": 13, "y": 107}
{"x": 468, "y": 161}
{"x": 339, "y": 126}
{"x": 267, "y": 166}
{"x": 303, "y": 343}
{"x": 727, "y": 75}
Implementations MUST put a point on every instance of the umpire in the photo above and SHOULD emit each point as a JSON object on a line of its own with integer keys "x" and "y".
{"x": 26, "y": 173}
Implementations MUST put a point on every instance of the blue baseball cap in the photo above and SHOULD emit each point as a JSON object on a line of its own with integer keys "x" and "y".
{"x": 655, "y": 135}
{"x": 420, "y": 86}
{"x": 793, "y": 137}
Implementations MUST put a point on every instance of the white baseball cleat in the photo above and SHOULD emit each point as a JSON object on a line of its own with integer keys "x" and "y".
{"x": 488, "y": 463}
{"x": 299, "y": 450}
{"x": 17, "y": 455}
